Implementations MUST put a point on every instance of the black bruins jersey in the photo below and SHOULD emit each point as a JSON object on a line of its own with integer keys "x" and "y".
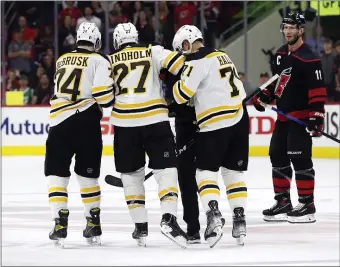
{"x": 300, "y": 87}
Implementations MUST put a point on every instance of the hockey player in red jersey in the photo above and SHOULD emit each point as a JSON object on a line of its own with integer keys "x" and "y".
{"x": 300, "y": 92}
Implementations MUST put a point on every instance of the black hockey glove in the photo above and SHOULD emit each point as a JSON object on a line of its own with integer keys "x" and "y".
{"x": 263, "y": 97}
{"x": 315, "y": 122}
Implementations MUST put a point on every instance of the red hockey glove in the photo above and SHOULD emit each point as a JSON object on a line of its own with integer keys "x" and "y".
{"x": 263, "y": 97}
{"x": 315, "y": 122}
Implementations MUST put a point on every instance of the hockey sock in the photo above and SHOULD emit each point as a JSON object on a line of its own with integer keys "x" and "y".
{"x": 135, "y": 195}
{"x": 167, "y": 189}
{"x": 282, "y": 177}
{"x": 57, "y": 194}
{"x": 90, "y": 193}
{"x": 236, "y": 188}
{"x": 207, "y": 187}
{"x": 304, "y": 176}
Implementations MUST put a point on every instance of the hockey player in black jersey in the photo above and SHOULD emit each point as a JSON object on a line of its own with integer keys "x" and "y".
{"x": 300, "y": 92}
{"x": 186, "y": 130}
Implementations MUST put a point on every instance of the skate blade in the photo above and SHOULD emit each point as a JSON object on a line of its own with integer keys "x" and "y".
{"x": 240, "y": 240}
{"x": 94, "y": 241}
{"x": 59, "y": 243}
{"x": 276, "y": 218}
{"x": 193, "y": 242}
{"x": 141, "y": 241}
{"x": 310, "y": 218}
{"x": 212, "y": 241}
{"x": 178, "y": 240}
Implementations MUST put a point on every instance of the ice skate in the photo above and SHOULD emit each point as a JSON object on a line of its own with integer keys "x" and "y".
{"x": 59, "y": 231}
{"x": 93, "y": 229}
{"x": 171, "y": 229}
{"x": 278, "y": 212}
{"x": 194, "y": 238}
{"x": 140, "y": 233}
{"x": 302, "y": 213}
{"x": 215, "y": 222}
{"x": 239, "y": 226}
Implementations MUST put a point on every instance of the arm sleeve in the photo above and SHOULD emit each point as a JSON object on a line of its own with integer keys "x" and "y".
{"x": 317, "y": 94}
{"x": 192, "y": 75}
{"x": 103, "y": 83}
{"x": 165, "y": 59}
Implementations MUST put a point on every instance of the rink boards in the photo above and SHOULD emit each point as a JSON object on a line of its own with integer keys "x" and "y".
{"x": 24, "y": 131}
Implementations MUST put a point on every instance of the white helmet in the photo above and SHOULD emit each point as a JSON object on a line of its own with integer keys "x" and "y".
{"x": 89, "y": 32}
{"x": 187, "y": 32}
{"x": 124, "y": 33}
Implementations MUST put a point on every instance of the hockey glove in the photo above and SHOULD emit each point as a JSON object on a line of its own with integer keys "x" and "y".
{"x": 264, "y": 97}
{"x": 315, "y": 122}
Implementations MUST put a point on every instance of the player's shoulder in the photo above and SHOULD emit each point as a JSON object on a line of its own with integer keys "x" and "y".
{"x": 203, "y": 52}
{"x": 79, "y": 52}
{"x": 283, "y": 50}
{"x": 131, "y": 47}
{"x": 305, "y": 54}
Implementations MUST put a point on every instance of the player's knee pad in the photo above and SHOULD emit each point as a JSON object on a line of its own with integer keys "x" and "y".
{"x": 236, "y": 188}
{"x": 90, "y": 193}
{"x": 57, "y": 193}
{"x": 134, "y": 189}
{"x": 167, "y": 182}
{"x": 207, "y": 184}
{"x": 167, "y": 189}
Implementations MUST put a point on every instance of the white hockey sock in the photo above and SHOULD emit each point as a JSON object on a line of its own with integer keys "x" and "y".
{"x": 57, "y": 194}
{"x": 167, "y": 189}
{"x": 236, "y": 188}
{"x": 207, "y": 187}
{"x": 90, "y": 193}
{"x": 135, "y": 195}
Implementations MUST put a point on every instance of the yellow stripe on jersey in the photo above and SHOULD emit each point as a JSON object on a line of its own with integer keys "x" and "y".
{"x": 138, "y": 115}
{"x": 168, "y": 58}
{"x": 217, "y": 118}
{"x": 139, "y": 110}
{"x": 186, "y": 90}
{"x": 179, "y": 96}
{"x": 100, "y": 89}
{"x": 54, "y": 112}
{"x": 78, "y": 54}
{"x": 177, "y": 65}
{"x": 216, "y": 109}
{"x": 214, "y": 54}
{"x": 140, "y": 105}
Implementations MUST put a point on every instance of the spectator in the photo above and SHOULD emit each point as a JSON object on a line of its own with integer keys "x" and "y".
{"x": 28, "y": 91}
{"x": 329, "y": 68}
{"x": 166, "y": 29}
{"x": 43, "y": 92}
{"x": 38, "y": 73}
{"x": 98, "y": 10}
{"x": 19, "y": 54}
{"x": 337, "y": 65}
{"x": 71, "y": 10}
{"x": 245, "y": 82}
{"x": 211, "y": 14}
{"x": 146, "y": 32}
{"x": 88, "y": 17}
{"x": 48, "y": 66}
{"x": 28, "y": 34}
{"x": 138, "y": 7}
{"x": 12, "y": 81}
{"x": 67, "y": 36}
{"x": 316, "y": 40}
{"x": 185, "y": 13}
{"x": 47, "y": 37}
{"x": 264, "y": 77}
{"x": 116, "y": 16}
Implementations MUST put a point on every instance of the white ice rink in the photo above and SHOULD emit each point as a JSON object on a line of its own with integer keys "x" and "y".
{"x": 26, "y": 222}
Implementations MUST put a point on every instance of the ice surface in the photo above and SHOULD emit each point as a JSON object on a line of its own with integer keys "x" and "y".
{"x": 26, "y": 222}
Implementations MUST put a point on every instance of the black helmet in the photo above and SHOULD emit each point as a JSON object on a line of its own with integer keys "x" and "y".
{"x": 293, "y": 19}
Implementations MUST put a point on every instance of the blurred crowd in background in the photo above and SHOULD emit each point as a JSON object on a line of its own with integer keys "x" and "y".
{"x": 30, "y": 41}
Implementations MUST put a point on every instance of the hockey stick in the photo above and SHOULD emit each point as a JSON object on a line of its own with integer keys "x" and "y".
{"x": 116, "y": 181}
{"x": 302, "y": 123}
{"x": 263, "y": 86}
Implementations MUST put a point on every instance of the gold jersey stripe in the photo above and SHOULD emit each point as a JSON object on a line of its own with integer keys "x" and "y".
{"x": 216, "y": 109}
{"x": 90, "y": 189}
{"x": 140, "y": 105}
{"x": 139, "y": 115}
